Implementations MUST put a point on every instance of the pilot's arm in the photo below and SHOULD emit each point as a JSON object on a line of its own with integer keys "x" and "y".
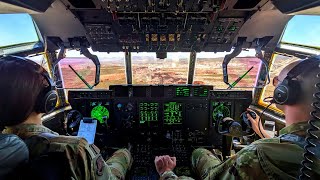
{"x": 86, "y": 162}
{"x": 243, "y": 165}
{"x": 255, "y": 126}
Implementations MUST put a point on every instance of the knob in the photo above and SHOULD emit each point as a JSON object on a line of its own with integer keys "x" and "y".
{"x": 129, "y": 107}
{"x": 119, "y": 106}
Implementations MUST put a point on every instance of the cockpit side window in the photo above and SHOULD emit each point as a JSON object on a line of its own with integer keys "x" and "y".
{"x": 303, "y": 31}
{"x": 17, "y": 33}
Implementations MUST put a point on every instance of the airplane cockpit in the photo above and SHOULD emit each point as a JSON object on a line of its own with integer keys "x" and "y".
{"x": 159, "y": 76}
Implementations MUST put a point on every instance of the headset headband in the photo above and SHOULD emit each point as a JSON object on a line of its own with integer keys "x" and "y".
{"x": 289, "y": 90}
{"x": 47, "y": 98}
{"x": 44, "y": 73}
{"x": 303, "y": 66}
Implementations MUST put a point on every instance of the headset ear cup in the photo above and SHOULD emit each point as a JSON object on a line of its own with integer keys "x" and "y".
{"x": 287, "y": 92}
{"x": 280, "y": 94}
{"x": 49, "y": 102}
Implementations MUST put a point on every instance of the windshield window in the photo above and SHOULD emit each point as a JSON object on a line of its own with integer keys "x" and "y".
{"x": 147, "y": 69}
{"x": 209, "y": 69}
{"x": 303, "y": 30}
{"x": 17, "y": 29}
{"x": 112, "y": 70}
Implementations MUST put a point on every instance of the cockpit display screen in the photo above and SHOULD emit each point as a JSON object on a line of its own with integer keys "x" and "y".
{"x": 148, "y": 112}
{"x": 173, "y": 113}
{"x": 182, "y": 91}
{"x": 221, "y": 109}
{"x": 201, "y": 91}
{"x": 99, "y": 110}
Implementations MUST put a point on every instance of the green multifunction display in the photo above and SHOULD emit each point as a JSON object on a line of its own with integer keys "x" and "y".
{"x": 172, "y": 112}
{"x": 148, "y": 112}
{"x": 221, "y": 110}
{"x": 182, "y": 91}
{"x": 99, "y": 111}
{"x": 200, "y": 91}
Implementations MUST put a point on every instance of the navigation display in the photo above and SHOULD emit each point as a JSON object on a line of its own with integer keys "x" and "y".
{"x": 148, "y": 112}
{"x": 99, "y": 110}
{"x": 173, "y": 113}
{"x": 221, "y": 109}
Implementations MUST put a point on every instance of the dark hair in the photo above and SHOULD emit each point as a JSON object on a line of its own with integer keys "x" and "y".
{"x": 20, "y": 85}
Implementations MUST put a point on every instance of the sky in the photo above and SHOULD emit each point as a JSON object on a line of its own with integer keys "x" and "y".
{"x": 303, "y": 30}
{"x": 16, "y": 29}
{"x": 19, "y": 28}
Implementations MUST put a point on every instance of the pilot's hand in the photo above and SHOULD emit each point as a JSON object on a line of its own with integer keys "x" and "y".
{"x": 254, "y": 122}
{"x": 165, "y": 163}
{"x": 255, "y": 125}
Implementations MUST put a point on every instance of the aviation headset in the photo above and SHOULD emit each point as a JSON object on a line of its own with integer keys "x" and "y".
{"x": 288, "y": 91}
{"x": 48, "y": 97}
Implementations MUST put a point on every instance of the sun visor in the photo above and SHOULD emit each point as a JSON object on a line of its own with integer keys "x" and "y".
{"x": 302, "y": 7}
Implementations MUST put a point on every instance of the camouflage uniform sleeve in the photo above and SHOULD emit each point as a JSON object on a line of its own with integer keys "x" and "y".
{"x": 86, "y": 162}
{"x": 243, "y": 165}
{"x": 119, "y": 163}
{"x": 115, "y": 167}
{"x": 203, "y": 163}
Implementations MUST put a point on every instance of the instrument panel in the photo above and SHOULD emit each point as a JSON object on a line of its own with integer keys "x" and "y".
{"x": 160, "y": 26}
{"x": 159, "y": 119}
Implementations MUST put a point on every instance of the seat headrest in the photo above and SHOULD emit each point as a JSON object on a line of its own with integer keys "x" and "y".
{"x": 13, "y": 153}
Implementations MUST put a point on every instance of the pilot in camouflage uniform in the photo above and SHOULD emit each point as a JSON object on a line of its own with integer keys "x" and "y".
{"x": 85, "y": 160}
{"x": 273, "y": 158}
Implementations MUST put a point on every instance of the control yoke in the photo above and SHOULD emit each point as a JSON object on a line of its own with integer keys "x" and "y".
{"x": 259, "y": 44}
{"x": 237, "y": 50}
{"x": 96, "y": 62}
{"x": 86, "y": 53}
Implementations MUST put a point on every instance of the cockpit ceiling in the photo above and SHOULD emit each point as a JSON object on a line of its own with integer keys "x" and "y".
{"x": 160, "y": 25}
